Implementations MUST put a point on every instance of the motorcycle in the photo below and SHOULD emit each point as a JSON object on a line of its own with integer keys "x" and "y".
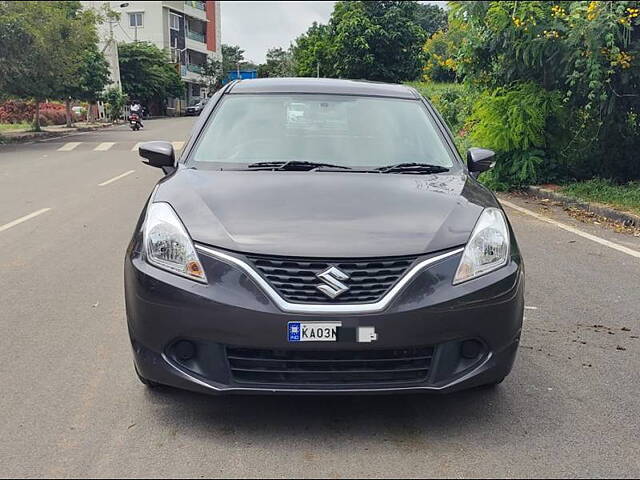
{"x": 134, "y": 121}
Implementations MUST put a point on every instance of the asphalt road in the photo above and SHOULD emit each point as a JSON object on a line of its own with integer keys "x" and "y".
{"x": 70, "y": 404}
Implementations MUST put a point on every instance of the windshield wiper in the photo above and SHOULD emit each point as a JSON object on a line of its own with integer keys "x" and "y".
{"x": 293, "y": 165}
{"x": 412, "y": 167}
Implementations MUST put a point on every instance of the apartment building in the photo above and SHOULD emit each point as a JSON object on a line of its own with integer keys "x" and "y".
{"x": 188, "y": 30}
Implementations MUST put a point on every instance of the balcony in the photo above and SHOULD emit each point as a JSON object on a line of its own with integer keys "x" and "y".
{"x": 198, "y": 37}
{"x": 192, "y": 67}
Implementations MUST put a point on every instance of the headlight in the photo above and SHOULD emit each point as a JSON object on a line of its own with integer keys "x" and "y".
{"x": 488, "y": 246}
{"x": 168, "y": 245}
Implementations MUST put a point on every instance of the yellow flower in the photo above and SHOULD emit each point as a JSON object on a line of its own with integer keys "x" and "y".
{"x": 624, "y": 59}
{"x": 592, "y": 10}
{"x": 558, "y": 11}
{"x": 518, "y": 22}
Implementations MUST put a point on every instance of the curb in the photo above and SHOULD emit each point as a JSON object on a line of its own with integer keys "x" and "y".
{"x": 628, "y": 219}
{"x": 33, "y": 136}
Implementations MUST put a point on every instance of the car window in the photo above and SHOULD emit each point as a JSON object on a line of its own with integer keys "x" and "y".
{"x": 354, "y": 131}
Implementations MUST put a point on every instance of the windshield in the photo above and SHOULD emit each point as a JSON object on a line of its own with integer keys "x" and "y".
{"x": 350, "y": 131}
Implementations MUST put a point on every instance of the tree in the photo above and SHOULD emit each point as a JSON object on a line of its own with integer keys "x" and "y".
{"x": 279, "y": 63}
{"x": 531, "y": 58}
{"x": 431, "y": 18}
{"x": 43, "y": 48}
{"x": 373, "y": 40}
{"x": 377, "y": 40}
{"x": 94, "y": 77}
{"x": 146, "y": 74}
{"x": 212, "y": 74}
{"x": 312, "y": 52}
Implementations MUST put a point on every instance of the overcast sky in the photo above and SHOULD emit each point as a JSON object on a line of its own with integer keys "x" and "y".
{"x": 258, "y": 26}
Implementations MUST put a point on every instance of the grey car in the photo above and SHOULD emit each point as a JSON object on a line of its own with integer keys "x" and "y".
{"x": 196, "y": 106}
{"x": 322, "y": 236}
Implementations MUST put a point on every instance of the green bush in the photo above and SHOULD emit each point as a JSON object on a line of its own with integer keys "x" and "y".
{"x": 514, "y": 122}
{"x": 115, "y": 100}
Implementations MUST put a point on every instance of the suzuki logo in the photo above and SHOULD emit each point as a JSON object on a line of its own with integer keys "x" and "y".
{"x": 332, "y": 277}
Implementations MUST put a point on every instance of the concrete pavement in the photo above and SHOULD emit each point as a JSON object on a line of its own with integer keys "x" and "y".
{"x": 71, "y": 405}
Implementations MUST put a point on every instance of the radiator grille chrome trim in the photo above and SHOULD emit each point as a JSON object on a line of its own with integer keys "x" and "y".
{"x": 290, "y": 307}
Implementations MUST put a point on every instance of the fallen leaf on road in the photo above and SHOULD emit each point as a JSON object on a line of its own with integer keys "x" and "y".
{"x": 95, "y": 305}
{"x": 625, "y": 329}
{"x": 620, "y": 348}
{"x": 131, "y": 426}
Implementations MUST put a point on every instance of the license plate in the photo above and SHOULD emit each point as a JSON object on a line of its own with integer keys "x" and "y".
{"x": 313, "y": 331}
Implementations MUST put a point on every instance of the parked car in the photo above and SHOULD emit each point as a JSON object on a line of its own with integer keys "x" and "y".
{"x": 322, "y": 236}
{"x": 196, "y": 106}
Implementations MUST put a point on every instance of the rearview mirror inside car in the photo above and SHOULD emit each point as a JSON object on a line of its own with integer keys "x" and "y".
{"x": 480, "y": 160}
{"x": 158, "y": 154}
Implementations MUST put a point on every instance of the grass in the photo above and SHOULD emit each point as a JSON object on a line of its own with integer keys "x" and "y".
{"x": 623, "y": 197}
{"x": 12, "y": 127}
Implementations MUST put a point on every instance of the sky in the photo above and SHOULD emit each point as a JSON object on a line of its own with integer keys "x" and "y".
{"x": 259, "y": 25}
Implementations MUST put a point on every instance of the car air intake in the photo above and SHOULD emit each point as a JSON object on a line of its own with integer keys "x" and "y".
{"x": 335, "y": 368}
{"x": 296, "y": 280}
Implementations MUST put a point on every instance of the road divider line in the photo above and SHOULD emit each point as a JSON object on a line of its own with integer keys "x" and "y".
{"x": 104, "y": 146}
{"x": 177, "y": 145}
{"x": 569, "y": 228}
{"x": 67, "y": 147}
{"x": 111, "y": 180}
{"x": 18, "y": 221}
{"x": 136, "y": 146}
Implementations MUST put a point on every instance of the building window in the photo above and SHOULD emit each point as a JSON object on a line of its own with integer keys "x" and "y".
{"x": 174, "y": 21}
{"x": 195, "y": 90}
{"x": 135, "y": 19}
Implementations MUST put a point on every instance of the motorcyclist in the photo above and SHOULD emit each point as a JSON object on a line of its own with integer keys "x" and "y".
{"x": 137, "y": 109}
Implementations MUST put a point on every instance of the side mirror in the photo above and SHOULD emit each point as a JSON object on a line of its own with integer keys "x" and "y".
{"x": 480, "y": 160}
{"x": 158, "y": 154}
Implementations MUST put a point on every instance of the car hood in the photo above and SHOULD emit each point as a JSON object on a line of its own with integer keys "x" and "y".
{"x": 325, "y": 214}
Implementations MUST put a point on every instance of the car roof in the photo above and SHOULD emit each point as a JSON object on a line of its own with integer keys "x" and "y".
{"x": 330, "y": 86}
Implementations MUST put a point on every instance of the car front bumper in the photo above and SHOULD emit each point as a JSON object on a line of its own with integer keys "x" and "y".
{"x": 232, "y": 313}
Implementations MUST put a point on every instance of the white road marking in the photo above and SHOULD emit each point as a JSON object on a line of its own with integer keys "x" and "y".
{"x": 104, "y": 146}
{"x": 18, "y": 221}
{"x": 529, "y": 307}
{"x": 111, "y": 180}
{"x": 569, "y": 228}
{"x": 136, "y": 146}
{"x": 177, "y": 145}
{"x": 67, "y": 147}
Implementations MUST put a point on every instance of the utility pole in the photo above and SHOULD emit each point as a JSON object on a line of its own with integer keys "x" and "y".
{"x": 238, "y": 70}
{"x": 318, "y": 70}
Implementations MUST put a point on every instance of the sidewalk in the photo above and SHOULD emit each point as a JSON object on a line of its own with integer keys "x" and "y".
{"x": 19, "y": 136}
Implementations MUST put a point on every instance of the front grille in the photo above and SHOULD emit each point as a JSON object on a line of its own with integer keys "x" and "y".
{"x": 338, "y": 367}
{"x": 296, "y": 279}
